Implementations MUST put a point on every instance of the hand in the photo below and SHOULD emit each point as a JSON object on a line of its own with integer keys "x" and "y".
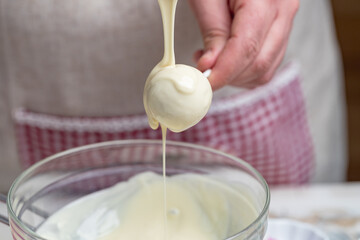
{"x": 244, "y": 40}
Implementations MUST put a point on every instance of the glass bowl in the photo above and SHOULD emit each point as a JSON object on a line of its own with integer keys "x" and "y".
{"x": 51, "y": 184}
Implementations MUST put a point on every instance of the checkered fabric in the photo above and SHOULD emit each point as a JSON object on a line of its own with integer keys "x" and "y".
{"x": 267, "y": 127}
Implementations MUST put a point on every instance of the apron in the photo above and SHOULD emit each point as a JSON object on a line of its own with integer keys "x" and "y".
{"x": 267, "y": 127}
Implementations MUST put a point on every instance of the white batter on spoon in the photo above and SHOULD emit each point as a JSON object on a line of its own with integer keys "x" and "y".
{"x": 176, "y": 96}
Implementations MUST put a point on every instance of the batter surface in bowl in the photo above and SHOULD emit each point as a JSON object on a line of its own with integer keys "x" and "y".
{"x": 199, "y": 207}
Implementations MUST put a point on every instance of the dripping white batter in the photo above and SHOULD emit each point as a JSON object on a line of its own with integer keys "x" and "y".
{"x": 176, "y": 96}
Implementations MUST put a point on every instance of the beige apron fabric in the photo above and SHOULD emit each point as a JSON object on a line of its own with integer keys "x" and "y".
{"x": 314, "y": 45}
{"x": 91, "y": 58}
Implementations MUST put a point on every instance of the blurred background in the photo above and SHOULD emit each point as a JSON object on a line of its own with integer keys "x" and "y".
{"x": 346, "y": 16}
{"x": 347, "y": 21}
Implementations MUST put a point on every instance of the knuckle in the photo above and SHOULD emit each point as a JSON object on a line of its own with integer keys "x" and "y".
{"x": 214, "y": 33}
{"x": 236, "y": 5}
{"x": 263, "y": 80}
{"x": 252, "y": 48}
{"x": 262, "y": 66}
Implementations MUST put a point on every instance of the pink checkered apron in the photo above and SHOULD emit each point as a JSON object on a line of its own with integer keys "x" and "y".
{"x": 267, "y": 127}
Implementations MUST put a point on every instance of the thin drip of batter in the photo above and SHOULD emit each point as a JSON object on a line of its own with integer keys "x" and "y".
{"x": 163, "y": 130}
{"x": 175, "y": 96}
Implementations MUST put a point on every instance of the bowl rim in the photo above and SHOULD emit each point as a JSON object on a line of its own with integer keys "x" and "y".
{"x": 31, "y": 169}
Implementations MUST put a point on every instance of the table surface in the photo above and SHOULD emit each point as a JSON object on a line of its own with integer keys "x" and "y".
{"x": 332, "y": 207}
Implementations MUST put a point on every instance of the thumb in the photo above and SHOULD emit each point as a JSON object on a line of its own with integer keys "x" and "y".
{"x": 215, "y": 22}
